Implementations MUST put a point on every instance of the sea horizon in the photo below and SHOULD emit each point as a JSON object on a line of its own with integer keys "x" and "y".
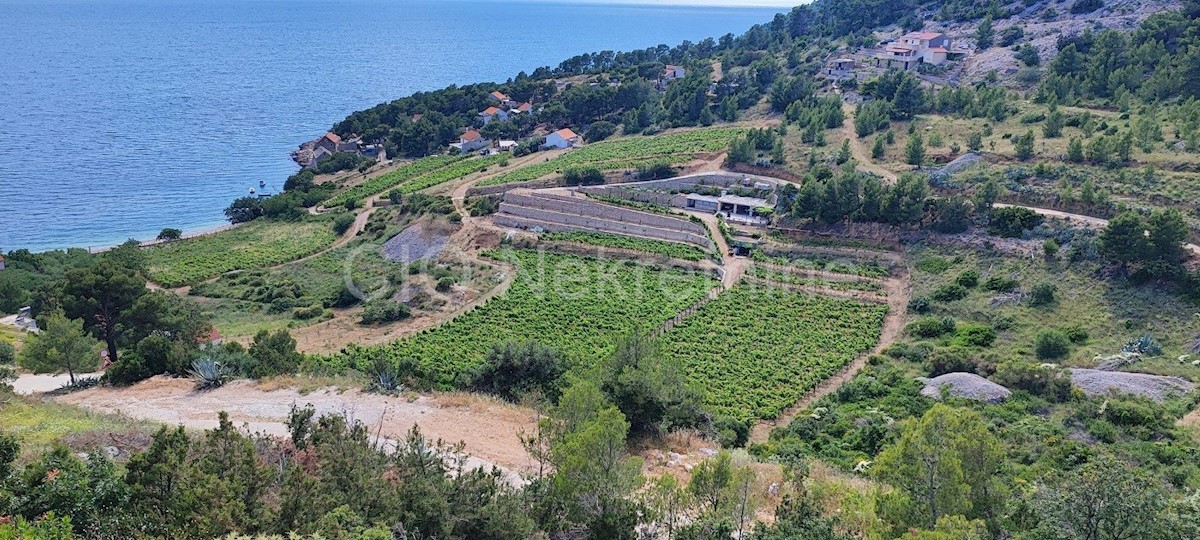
{"x": 135, "y": 115}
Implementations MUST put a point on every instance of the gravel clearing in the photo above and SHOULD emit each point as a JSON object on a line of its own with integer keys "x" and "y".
{"x": 416, "y": 242}
{"x": 1095, "y": 382}
{"x": 966, "y": 386}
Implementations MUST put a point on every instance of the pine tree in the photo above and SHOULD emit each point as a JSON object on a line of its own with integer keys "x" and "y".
{"x": 915, "y": 151}
{"x": 1075, "y": 151}
{"x": 984, "y": 34}
{"x": 843, "y": 154}
{"x": 878, "y": 149}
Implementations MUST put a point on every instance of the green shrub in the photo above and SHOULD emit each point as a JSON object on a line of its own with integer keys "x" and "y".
{"x": 1049, "y": 383}
{"x": 1076, "y": 334}
{"x": 930, "y": 327}
{"x": 381, "y": 311}
{"x": 919, "y": 304}
{"x": 954, "y": 360}
{"x": 913, "y": 352}
{"x": 1001, "y": 284}
{"x": 1012, "y": 222}
{"x": 8, "y": 354}
{"x": 1052, "y": 345}
{"x": 934, "y": 265}
{"x": 949, "y": 293}
{"x": 731, "y": 432}
{"x": 444, "y": 284}
{"x": 516, "y": 370}
{"x": 342, "y": 223}
{"x": 974, "y": 335}
{"x": 308, "y": 312}
{"x": 1042, "y": 294}
{"x": 968, "y": 279}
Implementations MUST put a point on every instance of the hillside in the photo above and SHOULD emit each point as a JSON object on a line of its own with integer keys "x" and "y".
{"x": 876, "y": 269}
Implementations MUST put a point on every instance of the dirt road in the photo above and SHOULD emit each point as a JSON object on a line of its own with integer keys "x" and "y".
{"x": 859, "y": 152}
{"x": 488, "y": 427}
{"x": 1090, "y": 221}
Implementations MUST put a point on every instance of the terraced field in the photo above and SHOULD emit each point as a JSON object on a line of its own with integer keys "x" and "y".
{"x": 577, "y": 305}
{"x": 258, "y": 244}
{"x": 400, "y": 176}
{"x": 756, "y": 350}
{"x": 629, "y": 152}
{"x": 675, "y": 250}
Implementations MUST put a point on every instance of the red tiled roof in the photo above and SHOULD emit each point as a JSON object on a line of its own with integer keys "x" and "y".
{"x": 490, "y": 111}
{"x": 417, "y": 116}
{"x": 470, "y": 135}
{"x": 499, "y": 95}
{"x": 566, "y": 133}
{"x": 333, "y": 137}
{"x": 930, "y": 35}
{"x": 525, "y": 107}
{"x": 938, "y": 49}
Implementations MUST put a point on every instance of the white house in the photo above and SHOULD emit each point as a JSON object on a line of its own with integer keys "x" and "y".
{"x": 563, "y": 138}
{"x": 915, "y": 48}
{"x": 470, "y": 142}
{"x": 671, "y": 73}
{"x": 493, "y": 113}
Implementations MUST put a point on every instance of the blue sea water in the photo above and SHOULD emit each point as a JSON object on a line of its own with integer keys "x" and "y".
{"x": 121, "y": 117}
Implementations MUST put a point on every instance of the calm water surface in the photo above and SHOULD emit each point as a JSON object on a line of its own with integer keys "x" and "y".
{"x": 121, "y": 117}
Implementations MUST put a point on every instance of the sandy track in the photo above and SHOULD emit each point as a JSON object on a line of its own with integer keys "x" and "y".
{"x": 488, "y": 427}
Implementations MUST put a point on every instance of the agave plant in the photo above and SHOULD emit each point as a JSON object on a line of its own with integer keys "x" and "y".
{"x": 208, "y": 374}
{"x": 385, "y": 381}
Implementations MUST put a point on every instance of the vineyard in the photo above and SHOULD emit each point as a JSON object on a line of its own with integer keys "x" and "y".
{"x": 757, "y": 350}
{"x": 257, "y": 244}
{"x": 453, "y": 172}
{"x": 800, "y": 279}
{"x": 825, "y": 263}
{"x": 577, "y": 305}
{"x": 660, "y": 247}
{"x": 385, "y": 182}
{"x": 627, "y": 153}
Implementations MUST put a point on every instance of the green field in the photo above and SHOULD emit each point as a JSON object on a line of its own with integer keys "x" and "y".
{"x": 669, "y": 249}
{"x": 577, "y": 305}
{"x": 385, "y": 182}
{"x": 627, "y": 153}
{"x": 1110, "y": 311}
{"x": 257, "y": 244}
{"x": 813, "y": 281}
{"x": 755, "y": 351}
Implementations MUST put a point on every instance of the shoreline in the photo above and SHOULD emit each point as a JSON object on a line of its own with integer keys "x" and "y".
{"x": 194, "y": 233}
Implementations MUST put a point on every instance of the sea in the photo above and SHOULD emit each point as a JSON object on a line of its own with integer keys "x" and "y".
{"x": 121, "y": 117}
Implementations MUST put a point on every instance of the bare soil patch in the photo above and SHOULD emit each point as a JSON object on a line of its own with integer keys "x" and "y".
{"x": 488, "y": 427}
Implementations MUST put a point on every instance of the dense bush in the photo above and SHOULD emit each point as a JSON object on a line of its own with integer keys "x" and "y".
{"x": 381, "y": 311}
{"x": 1049, "y": 383}
{"x": 1012, "y": 222}
{"x": 1042, "y": 294}
{"x": 968, "y": 279}
{"x": 949, "y": 293}
{"x": 1052, "y": 345}
{"x": 342, "y": 223}
{"x": 1001, "y": 284}
{"x": 518, "y": 370}
{"x": 585, "y": 176}
{"x": 599, "y": 131}
{"x": 930, "y": 327}
{"x": 974, "y": 335}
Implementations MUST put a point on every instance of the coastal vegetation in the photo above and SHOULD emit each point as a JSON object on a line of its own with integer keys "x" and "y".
{"x": 259, "y": 244}
{"x": 622, "y": 361}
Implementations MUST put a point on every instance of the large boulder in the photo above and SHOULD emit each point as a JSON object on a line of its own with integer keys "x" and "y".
{"x": 966, "y": 386}
{"x": 1095, "y": 382}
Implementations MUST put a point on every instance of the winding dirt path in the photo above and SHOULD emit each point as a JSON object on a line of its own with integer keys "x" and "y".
{"x": 1090, "y": 221}
{"x": 861, "y": 156}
